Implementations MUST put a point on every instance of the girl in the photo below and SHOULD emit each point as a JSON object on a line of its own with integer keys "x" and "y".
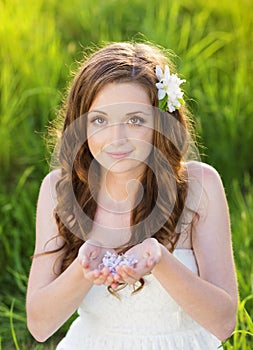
{"x": 130, "y": 232}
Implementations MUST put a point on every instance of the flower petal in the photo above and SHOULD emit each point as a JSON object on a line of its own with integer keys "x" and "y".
{"x": 159, "y": 73}
{"x": 167, "y": 73}
{"x": 169, "y": 84}
{"x": 171, "y": 108}
{"x": 161, "y": 94}
{"x": 159, "y": 86}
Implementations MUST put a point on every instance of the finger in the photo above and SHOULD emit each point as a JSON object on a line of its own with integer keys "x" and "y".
{"x": 134, "y": 273}
{"x": 107, "y": 277}
{"x": 105, "y": 271}
{"x": 117, "y": 279}
{"x": 109, "y": 281}
{"x": 114, "y": 285}
{"x": 91, "y": 275}
{"x": 127, "y": 275}
{"x": 127, "y": 269}
{"x": 127, "y": 279}
{"x": 84, "y": 262}
{"x": 100, "y": 280}
{"x": 104, "y": 277}
{"x": 150, "y": 262}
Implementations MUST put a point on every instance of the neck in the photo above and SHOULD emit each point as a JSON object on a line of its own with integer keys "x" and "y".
{"x": 121, "y": 187}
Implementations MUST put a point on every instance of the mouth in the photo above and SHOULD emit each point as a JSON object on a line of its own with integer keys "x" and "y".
{"x": 118, "y": 155}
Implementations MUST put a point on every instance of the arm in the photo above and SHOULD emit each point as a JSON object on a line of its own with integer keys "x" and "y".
{"x": 210, "y": 298}
{"x": 51, "y": 297}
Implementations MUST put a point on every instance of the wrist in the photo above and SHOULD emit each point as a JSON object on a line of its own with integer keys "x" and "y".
{"x": 159, "y": 262}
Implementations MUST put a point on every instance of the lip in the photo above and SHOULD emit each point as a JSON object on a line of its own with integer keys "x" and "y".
{"x": 119, "y": 155}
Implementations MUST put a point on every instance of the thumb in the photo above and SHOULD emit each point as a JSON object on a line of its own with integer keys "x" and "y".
{"x": 84, "y": 261}
{"x": 150, "y": 262}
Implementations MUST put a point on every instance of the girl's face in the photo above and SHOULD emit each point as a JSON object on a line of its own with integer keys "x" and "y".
{"x": 120, "y": 127}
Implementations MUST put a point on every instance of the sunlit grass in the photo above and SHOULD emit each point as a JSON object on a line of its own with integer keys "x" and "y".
{"x": 40, "y": 40}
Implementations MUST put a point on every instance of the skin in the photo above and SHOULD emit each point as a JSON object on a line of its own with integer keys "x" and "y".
{"x": 210, "y": 298}
{"x": 120, "y": 134}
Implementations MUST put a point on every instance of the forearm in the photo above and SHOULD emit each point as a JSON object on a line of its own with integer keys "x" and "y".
{"x": 50, "y": 306}
{"x": 207, "y": 304}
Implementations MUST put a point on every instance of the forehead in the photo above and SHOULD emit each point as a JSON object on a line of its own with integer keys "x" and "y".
{"x": 122, "y": 109}
{"x": 121, "y": 93}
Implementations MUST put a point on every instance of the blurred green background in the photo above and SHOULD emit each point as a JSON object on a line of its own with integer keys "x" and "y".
{"x": 39, "y": 44}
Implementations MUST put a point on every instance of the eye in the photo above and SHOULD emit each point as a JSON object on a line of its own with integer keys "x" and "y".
{"x": 98, "y": 120}
{"x": 135, "y": 121}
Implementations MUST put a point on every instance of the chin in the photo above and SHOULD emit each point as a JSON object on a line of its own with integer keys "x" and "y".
{"x": 124, "y": 166}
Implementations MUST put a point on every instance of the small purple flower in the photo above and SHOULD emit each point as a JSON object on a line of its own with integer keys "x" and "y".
{"x": 112, "y": 260}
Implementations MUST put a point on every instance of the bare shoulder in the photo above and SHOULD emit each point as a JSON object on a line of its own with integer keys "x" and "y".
{"x": 202, "y": 171}
{"x": 47, "y": 201}
{"x": 205, "y": 185}
{"x": 47, "y": 193}
{"x": 50, "y": 180}
{"x": 204, "y": 174}
{"x": 53, "y": 175}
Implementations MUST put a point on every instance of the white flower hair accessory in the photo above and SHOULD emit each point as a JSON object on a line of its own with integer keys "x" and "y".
{"x": 170, "y": 95}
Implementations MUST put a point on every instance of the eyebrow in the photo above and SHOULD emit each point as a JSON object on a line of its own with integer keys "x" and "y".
{"x": 96, "y": 111}
{"x": 138, "y": 112}
{"x": 127, "y": 114}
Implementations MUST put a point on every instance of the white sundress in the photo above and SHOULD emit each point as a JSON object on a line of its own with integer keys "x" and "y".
{"x": 147, "y": 320}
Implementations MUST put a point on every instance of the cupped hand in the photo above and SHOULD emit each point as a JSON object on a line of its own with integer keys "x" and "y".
{"x": 147, "y": 253}
{"x": 90, "y": 257}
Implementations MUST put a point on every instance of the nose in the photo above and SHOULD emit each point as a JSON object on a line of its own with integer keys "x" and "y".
{"x": 118, "y": 134}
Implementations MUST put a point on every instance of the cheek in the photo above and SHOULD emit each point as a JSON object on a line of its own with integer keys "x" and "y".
{"x": 95, "y": 144}
{"x": 97, "y": 139}
{"x": 144, "y": 143}
{"x": 147, "y": 137}
{"x": 150, "y": 136}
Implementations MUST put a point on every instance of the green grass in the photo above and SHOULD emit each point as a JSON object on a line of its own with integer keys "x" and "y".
{"x": 40, "y": 40}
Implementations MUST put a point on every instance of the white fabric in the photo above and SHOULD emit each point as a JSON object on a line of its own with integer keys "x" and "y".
{"x": 147, "y": 320}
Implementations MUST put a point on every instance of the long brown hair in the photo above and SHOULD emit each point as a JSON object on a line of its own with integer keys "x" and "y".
{"x": 117, "y": 63}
